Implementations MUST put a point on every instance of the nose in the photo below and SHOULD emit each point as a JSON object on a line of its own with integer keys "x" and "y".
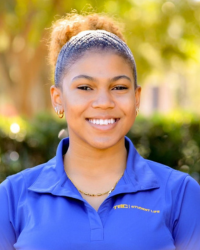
{"x": 103, "y": 100}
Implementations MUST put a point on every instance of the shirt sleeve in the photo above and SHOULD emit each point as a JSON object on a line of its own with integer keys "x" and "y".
{"x": 7, "y": 233}
{"x": 187, "y": 226}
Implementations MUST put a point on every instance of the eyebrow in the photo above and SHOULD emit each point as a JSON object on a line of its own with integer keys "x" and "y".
{"x": 116, "y": 78}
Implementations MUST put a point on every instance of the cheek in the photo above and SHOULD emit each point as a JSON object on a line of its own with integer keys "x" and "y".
{"x": 74, "y": 105}
{"x": 127, "y": 104}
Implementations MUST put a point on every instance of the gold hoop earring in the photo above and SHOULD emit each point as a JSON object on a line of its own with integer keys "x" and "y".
{"x": 59, "y": 113}
{"x": 137, "y": 111}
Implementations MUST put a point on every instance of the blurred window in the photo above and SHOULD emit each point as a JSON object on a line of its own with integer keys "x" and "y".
{"x": 155, "y": 96}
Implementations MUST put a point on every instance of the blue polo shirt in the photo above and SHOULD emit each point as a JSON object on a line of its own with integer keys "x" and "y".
{"x": 152, "y": 207}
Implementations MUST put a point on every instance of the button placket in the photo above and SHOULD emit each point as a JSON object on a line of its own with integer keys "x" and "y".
{"x": 96, "y": 225}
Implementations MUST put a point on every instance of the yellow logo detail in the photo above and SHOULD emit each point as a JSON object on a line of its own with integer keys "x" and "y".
{"x": 122, "y": 206}
{"x": 136, "y": 207}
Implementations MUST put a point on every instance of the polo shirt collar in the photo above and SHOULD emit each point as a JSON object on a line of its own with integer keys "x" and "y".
{"x": 138, "y": 175}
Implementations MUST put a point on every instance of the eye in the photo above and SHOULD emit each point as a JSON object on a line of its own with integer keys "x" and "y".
{"x": 85, "y": 87}
{"x": 120, "y": 87}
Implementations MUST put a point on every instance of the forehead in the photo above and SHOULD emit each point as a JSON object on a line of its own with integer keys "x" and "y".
{"x": 99, "y": 63}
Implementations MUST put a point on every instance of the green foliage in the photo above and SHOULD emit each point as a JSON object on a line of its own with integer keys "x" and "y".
{"x": 35, "y": 143}
{"x": 173, "y": 141}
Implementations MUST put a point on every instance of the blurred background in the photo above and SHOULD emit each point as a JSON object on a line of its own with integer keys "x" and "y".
{"x": 164, "y": 37}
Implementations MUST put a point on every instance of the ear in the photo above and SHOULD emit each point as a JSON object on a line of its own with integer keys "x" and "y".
{"x": 137, "y": 96}
{"x": 56, "y": 97}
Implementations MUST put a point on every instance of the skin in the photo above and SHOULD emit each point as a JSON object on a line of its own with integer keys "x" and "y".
{"x": 98, "y": 85}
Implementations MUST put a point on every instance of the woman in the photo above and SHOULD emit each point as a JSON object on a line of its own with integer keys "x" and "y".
{"x": 98, "y": 192}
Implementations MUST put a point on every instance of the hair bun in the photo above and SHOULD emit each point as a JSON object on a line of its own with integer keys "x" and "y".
{"x": 65, "y": 28}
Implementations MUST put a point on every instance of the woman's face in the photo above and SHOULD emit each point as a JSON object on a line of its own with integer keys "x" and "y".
{"x": 99, "y": 99}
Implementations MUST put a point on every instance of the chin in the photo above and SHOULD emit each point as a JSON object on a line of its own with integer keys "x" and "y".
{"x": 104, "y": 142}
{"x": 96, "y": 141}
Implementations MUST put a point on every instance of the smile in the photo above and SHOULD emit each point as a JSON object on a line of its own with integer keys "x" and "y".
{"x": 102, "y": 121}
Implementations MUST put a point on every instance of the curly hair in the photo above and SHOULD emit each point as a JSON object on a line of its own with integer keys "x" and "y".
{"x": 64, "y": 29}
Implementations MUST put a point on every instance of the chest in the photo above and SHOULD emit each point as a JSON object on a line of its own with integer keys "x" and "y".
{"x": 128, "y": 221}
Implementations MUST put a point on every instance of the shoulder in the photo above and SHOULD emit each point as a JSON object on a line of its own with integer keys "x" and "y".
{"x": 151, "y": 172}
{"x": 180, "y": 192}
{"x": 176, "y": 184}
{"x": 16, "y": 184}
{"x": 166, "y": 174}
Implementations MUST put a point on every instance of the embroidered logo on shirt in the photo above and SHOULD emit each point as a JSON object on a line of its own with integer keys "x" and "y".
{"x": 136, "y": 207}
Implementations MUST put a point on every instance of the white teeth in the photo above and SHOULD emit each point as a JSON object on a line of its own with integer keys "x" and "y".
{"x": 102, "y": 122}
{"x": 112, "y": 120}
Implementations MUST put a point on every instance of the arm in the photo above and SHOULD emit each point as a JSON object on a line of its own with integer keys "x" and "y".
{"x": 7, "y": 233}
{"x": 187, "y": 226}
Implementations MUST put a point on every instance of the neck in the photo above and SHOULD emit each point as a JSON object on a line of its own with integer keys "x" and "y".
{"x": 82, "y": 160}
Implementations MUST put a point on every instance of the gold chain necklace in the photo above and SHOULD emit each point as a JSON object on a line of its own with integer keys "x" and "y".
{"x": 99, "y": 194}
